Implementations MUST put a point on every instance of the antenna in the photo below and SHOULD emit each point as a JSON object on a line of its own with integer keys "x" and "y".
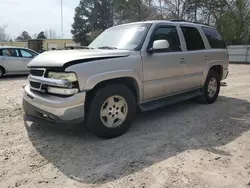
{"x": 62, "y": 17}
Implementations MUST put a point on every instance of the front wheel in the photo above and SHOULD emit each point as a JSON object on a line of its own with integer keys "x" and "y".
{"x": 211, "y": 89}
{"x": 111, "y": 111}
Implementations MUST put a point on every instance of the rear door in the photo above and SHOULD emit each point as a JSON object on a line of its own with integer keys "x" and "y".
{"x": 196, "y": 56}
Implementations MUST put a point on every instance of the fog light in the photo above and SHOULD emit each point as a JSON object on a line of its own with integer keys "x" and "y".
{"x": 62, "y": 91}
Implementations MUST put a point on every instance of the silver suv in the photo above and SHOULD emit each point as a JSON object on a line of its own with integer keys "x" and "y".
{"x": 145, "y": 64}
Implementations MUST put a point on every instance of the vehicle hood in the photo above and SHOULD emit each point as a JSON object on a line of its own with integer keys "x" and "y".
{"x": 63, "y": 58}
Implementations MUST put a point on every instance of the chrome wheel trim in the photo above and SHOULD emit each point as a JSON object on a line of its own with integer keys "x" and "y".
{"x": 212, "y": 87}
{"x": 114, "y": 111}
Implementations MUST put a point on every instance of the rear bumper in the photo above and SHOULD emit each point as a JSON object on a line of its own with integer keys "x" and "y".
{"x": 54, "y": 108}
{"x": 225, "y": 73}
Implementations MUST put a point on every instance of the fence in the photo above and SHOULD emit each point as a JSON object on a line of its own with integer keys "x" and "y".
{"x": 239, "y": 54}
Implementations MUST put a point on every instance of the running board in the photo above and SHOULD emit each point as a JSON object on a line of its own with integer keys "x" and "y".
{"x": 159, "y": 103}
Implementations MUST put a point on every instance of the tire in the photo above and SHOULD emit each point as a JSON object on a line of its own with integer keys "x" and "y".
{"x": 103, "y": 110}
{"x": 1, "y": 72}
{"x": 211, "y": 89}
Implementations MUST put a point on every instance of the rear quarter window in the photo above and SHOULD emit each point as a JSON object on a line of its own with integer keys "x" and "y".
{"x": 214, "y": 38}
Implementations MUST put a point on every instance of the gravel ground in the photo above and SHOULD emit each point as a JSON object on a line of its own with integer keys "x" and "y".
{"x": 183, "y": 145}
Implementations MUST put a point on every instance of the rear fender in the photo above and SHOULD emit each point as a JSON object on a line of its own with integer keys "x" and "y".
{"x": 208, "y": 67}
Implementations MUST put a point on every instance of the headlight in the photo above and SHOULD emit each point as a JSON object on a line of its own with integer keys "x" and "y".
{"x": 71, "y": 77}
{"x": 69, "y": 86}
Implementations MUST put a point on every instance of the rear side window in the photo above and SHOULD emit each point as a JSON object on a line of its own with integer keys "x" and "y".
{"x": 214, "y": 38}
{"x": 10, "y": 52}
{"x": 193, "y": 38}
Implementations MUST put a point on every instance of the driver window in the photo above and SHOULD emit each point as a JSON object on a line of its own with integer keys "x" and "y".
{"x": 170, "y": 34}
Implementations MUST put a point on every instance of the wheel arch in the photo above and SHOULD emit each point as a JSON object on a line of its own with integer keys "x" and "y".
{"x": 4, "y": 70}
{"x": 127, "y": 77}
{"x": 216, "y": 66}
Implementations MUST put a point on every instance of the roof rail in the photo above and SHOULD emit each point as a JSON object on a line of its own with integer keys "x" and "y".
{"x": 201, "y": 23}
{"x": 178, "y": 20}
{"x": 182, "y": 20}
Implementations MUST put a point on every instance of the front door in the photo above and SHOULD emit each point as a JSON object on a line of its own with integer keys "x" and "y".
{"x": 163, "y": 70}
{"x": 26, "y": 57}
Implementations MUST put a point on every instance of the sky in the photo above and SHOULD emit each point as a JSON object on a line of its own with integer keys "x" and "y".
{"x": 35, "y": 16}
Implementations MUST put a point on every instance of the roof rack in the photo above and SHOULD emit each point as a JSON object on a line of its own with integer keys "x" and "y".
{"x": 182, "y": 20}
{"x": 178, "y": 20}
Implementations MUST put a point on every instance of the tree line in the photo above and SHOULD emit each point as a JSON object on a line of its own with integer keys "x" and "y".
{"x": 25, "y": 36}
{"x": 230, "y": 17}
{"x": 48, "y": 34}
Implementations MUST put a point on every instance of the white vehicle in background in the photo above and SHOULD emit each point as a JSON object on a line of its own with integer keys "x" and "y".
{"x": 14, "y": 60}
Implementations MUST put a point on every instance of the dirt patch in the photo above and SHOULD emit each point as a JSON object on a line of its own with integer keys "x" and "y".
{"x": 183, "y": 145}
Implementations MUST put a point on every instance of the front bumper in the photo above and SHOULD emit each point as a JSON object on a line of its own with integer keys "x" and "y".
{"x": 54, "y": 108}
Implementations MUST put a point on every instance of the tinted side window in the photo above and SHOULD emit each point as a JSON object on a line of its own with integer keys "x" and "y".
{"x": 170, "y": 34}
{"x": 214, "y": 38}
{"x": 10, "y": 52}
{"x": 193, "y": 38}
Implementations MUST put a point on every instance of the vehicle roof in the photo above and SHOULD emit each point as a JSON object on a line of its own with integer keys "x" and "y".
{"x": 177, "y": 22}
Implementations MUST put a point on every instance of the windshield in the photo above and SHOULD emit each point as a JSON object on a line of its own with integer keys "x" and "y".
{"x": 124, "y": 37}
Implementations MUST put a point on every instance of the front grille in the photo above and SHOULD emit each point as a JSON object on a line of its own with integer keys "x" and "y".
{"x": 37, "y": 72}
{"x": 35, "y": 85}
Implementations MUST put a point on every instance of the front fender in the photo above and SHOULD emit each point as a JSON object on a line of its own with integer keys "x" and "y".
{"x": 92, "y": 81}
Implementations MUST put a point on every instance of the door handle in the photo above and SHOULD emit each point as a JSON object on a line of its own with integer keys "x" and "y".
{"x": 206, "y": 57}
{"x": 182, "y": 61}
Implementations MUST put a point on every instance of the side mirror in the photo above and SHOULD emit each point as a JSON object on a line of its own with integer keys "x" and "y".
{"x": 159, "y": 45}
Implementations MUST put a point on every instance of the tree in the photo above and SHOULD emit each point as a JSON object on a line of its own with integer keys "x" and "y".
{"x": 23, "y": 37}
{"x": 91, "y": 15}
{"x": 174, "y": 9}
{"x": 41, "y": 35}
{"x": 135, "y": 10}
{"x": 230, "y": 17}
{"x": 50, "y": 34}
{"x": 3, "y": 35}
{"x": 233, "y": 23}
{"x": 19, "y": 39}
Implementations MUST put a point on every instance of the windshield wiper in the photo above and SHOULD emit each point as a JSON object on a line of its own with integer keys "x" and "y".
{"x": 107, "y": 47}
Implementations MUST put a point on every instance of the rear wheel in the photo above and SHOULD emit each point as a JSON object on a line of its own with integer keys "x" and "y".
{"x": 1, "y": 72}
{"x": 211, "y": 89}
{"x": 111, "y": 111}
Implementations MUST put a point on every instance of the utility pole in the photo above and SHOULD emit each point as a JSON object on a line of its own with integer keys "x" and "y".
{"x": 62, "y": 21}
